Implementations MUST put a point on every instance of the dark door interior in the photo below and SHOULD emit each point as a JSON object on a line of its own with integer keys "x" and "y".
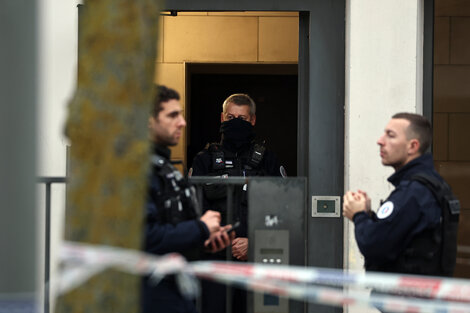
{"x": 272, "y": 87}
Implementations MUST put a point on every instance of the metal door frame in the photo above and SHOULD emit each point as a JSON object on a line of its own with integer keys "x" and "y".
{"x": 320, "y": 109}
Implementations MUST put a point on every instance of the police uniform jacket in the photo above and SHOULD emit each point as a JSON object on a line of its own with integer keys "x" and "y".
{"x": 171, "y": 225}
{"x": 410, "y": 211}
{"x": 235, "y": 163}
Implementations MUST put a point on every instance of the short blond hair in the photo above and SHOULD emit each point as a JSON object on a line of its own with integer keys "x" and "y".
{"x": 240, "y": 99}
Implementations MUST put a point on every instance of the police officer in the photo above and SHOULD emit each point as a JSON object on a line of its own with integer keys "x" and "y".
{"x": 411, "y": 232}
{"x": 172, "y": 224}
{"x": 237, "y": 154}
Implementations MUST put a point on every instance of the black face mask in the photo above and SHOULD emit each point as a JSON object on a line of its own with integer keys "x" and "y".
{"x": 236, "y": 133}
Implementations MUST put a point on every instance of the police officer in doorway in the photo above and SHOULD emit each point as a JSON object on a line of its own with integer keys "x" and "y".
{"x": 237, "y": 154}
{"x": 172, "y": 223}
{"x": 415, "y": 229}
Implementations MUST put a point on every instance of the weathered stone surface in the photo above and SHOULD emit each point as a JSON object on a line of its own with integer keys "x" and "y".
{"x": 107, "y": 127}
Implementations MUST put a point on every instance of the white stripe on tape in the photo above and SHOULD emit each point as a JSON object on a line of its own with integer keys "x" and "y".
{"x": 295, "y": 282}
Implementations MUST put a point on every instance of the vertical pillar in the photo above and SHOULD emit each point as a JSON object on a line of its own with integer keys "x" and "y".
{"x": 109, "y": 154}
{"x": 18, "y": 98}
{"x": 383, "y": 77}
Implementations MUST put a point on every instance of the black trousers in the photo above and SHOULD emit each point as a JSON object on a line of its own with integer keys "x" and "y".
{"x": 214, "y": 298}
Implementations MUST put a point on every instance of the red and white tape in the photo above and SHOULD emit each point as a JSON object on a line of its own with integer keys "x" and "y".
{"x": 325, "y": 286}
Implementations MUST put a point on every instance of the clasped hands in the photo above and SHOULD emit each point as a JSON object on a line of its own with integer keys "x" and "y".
{"x": 354, "y": 202}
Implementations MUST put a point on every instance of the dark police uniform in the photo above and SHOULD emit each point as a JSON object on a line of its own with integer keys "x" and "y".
{"x": 219, "y": 161}
{"x": 406, "y": 234}
{"x": 171, "y": 226}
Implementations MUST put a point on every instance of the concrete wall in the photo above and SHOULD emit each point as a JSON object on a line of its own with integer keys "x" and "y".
{"x": 383, "y": 68}
{"x": 57, "y": 76}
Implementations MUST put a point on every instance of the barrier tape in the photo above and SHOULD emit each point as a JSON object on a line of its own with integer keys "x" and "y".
{"x": 82, "y": 261}
{"x": 303, "y": 289}
{"x": 409, "y": 285}
{"x": 305, "y": 284}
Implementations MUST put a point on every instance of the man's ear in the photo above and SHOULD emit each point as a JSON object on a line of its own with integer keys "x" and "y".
{"x": 413, "y": 146}
{"x": 253, "y": 119}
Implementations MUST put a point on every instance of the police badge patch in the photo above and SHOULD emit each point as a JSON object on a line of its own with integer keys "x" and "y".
{"x": 385, "y": 210}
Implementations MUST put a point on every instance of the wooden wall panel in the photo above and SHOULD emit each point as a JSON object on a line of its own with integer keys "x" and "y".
{"x": 278, "y": 39}
{"x": 460, "y": 40}
{"x": 210, "y": 39}
{"x": 440, "y": 137}
{"x": 451, "y": 88}
{"x": 441, "y": 40}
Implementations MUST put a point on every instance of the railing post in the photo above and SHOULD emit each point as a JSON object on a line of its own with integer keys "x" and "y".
{"x": 230, "y": 190}
{"x": 48, "y": 181}
{"x": 47, "y": 251}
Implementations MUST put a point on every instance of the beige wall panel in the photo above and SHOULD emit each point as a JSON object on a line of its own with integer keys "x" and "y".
{"x": 459, "y": 139}
{"x": 460, "y": 40}
{"x": 457, "y": 174}
{"x": 254, "y": 13}
{"x": 160, "y": 40}
{"x": 210, "y": 39}
{"x": 192, "y": 13}
{"x": 440, "y": 136}
{"x": 172, "y": 75}
{"x": 451, "y": 88}
{"x": 178, "y": 152}
{"x": 441, "y": 40}
{"x": 167, "y": 13}
{"x": 278, "y": 39}
{"x": 452, "y": 8}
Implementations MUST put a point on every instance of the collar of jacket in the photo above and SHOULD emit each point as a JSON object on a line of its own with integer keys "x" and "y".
{"x": 228, "y": 146}
{"x": 423, "y": 163}
{"x": 163, "y": 151}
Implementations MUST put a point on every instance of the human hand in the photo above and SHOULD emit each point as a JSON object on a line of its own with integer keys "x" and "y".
{"x": 368, "y": 201}
{"x": 212, "y": 220}
{"x": 240, "y": 248}
{"x": 219, "y": 240}
{"x": 353, "y": 203}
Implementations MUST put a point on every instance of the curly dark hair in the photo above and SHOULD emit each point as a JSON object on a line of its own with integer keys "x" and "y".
{"x": 163, "y": 94}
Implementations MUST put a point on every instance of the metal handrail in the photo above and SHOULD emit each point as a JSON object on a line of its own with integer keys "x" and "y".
{"x": 48, "y": 181}
{"x": 231, "y": 182}
{"x": 198, "y": 181}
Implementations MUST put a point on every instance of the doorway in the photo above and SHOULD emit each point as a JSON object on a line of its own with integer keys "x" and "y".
{"x": 273, "y": 87}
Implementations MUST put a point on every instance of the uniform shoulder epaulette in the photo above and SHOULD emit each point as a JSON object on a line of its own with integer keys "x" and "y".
{"x": 158, "y": 160}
